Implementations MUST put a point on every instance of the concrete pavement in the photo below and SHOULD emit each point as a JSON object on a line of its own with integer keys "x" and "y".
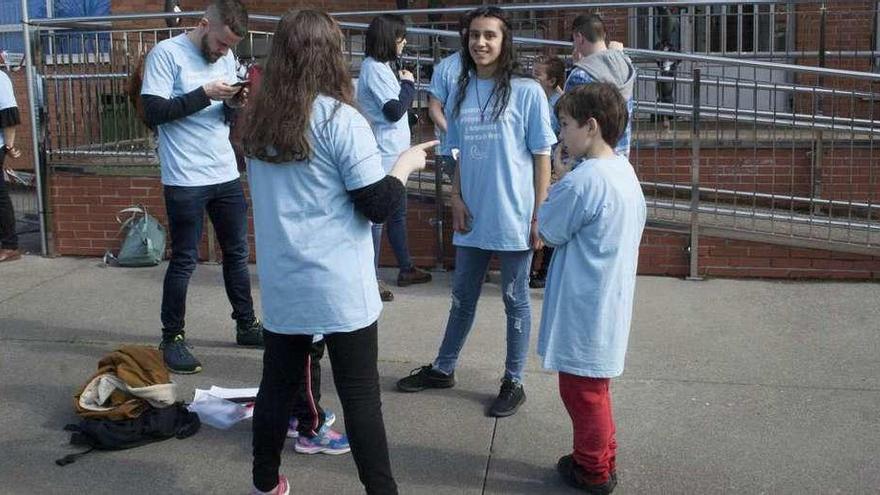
{"x": 731, "y": 387}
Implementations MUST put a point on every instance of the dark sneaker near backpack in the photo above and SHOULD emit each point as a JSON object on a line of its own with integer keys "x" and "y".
{"x": 249, "y": 332}
{"x": 178, "y": 359}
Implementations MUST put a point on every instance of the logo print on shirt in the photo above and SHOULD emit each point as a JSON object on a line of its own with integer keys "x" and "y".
{"x": 478, "y": 153}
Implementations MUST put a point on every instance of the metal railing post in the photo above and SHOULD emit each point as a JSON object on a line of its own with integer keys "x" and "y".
{"x": 694, "y": 248}
{"x": 818, "y": 148}
{"x": 35, "y": 138}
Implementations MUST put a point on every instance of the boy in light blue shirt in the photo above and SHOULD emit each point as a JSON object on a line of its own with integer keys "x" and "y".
{"x": 593, "y": 217}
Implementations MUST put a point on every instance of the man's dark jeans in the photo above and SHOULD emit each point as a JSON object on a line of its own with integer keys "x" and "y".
{"x": 227, "y": 209}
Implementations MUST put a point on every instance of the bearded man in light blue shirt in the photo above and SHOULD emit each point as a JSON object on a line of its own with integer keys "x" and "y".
{"x": 188, "y": 95}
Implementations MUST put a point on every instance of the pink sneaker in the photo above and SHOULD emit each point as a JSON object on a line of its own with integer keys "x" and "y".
{"x": 327, "y": 441}
{"x": 282, "y": 488}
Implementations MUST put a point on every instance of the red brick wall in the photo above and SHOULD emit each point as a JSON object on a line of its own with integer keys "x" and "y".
{"x": 84, "y": 209}
{"x": 848, "y": 173}
{"x": 23, "y": 131}
{"x": 666, "y": 254}
{"x": 850, "y": 26}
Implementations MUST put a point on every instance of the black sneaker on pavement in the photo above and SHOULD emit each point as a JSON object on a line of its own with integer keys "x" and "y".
{"x": 177, "y": 357}
{"x": 509, "y": 399}
{"x": 573, "y": 476}
{"x": 425, "y": 377}
{"x": 249, "y": 333}
{"x": 412, "y": 276}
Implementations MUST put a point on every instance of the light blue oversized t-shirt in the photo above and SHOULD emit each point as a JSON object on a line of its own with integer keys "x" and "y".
{"x": 314, "y": 250}
{"x": 496, "y": 165}
{"x": 443, "y": 82}
{"x": 7, "y": 99}
{"x": 377, "y": 85}
{"x": 594, "y": 217}
{"x": 552, "y": 100}
{"x": 194, "y": 150}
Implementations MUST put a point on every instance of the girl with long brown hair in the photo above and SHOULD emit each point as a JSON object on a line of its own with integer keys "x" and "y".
{"x": 316, "y": 182}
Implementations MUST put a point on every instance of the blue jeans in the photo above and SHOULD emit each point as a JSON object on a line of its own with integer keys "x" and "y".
{"x": 470, "y": 272}
{"x": 227, "y": 208}
{"x": 396, "y": 228}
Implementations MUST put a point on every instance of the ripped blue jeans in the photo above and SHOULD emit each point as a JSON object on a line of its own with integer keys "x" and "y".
{"x": 470, "y": 272}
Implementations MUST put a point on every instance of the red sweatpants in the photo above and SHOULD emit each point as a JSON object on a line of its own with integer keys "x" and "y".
{"x": 588, "y": 401}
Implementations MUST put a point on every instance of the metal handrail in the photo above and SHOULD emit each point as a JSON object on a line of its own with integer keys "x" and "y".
{"x": 573, "y": 6}
{"x": 444, "y": 10}
{"x": 773, "y": 197}
{"x": 650, "y": 54}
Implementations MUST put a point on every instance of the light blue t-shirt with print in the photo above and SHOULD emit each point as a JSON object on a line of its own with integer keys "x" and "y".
{"x": 552, "y": 100}
{"x": 579, "y": 77}
{"x": 377, "y": 85}
{"x": 7, "y": 99}
{"x": 314, "y": 250}
{"x": 496, "y": 165}
{"x": 443, "y": 82}
{"x": 193, "y": 150}
{"x": 594, "y": 217}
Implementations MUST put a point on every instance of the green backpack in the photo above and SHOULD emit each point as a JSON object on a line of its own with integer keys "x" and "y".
{"x": 144, "y": 243}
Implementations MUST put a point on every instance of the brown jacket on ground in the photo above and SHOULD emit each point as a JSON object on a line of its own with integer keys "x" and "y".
{"x": 128, "y": 381}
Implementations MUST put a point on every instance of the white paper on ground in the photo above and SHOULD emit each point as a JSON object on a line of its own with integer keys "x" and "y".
{"x": 217, "y": 411}
{"x": 233, "y": 393}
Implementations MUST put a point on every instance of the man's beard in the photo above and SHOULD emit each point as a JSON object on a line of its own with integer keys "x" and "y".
{"x": 206, "y": 51}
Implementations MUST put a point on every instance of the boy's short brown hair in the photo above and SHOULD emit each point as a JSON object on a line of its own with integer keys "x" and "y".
{"x": 600, "y": 101}
{"x": 554, "y": 67}
{"x": 590, "y": 26}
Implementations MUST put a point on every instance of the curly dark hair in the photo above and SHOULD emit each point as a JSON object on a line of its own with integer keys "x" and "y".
{"x": 306, "y": 59}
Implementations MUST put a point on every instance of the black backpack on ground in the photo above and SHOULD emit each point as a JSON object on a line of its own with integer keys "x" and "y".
{"x": 153, "y": 425}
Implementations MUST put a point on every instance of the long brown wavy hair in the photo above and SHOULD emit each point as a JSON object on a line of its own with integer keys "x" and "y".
{"x": 306, "y": 58}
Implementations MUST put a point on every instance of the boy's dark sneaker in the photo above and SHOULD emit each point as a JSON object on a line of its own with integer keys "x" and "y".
{"x": 425, "y": 377}
{"x": 178, "y": 359}
{"x": 509, "y": 399}
{"x": 537, "y": 283}
{"x": 249, "y": 332}
{"x": 574, "y": 476}
{"x": 412, "y": 276}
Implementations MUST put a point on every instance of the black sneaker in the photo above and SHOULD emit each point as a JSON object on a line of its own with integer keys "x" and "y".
{"x": 537, "y": 283}
{"x": 425, "y": 377}
{"x": 574, "y": 476}
{"x": 509, "y": 399}
{"x": 177, "y": 357}
{"x": 249, "y": 333}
